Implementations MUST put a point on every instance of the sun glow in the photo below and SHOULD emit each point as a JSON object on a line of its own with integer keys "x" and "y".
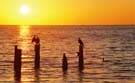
{"x": 67, "y": 12}
{"x": 24, "y": 10}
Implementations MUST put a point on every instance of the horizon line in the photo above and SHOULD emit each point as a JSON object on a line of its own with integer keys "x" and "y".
{"x": 68, "y": 25}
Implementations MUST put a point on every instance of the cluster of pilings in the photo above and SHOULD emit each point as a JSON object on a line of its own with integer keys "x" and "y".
{"x": 80, "y": 59}
{"x": 18, "y": 62}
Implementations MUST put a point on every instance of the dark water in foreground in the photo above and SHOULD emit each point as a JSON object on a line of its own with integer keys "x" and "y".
{"x": 115, "y": 43}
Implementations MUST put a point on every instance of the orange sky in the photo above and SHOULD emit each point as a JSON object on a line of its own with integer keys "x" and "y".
{"x": 68, "y": 12}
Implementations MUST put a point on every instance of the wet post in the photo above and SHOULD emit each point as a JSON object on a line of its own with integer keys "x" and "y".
{"x": 37, "y": 56}
{"x": 64, "y": 62}
{"x": 17, "y": 63}
{"x": 80, "y": 55}
{"x": 36, "y": 40}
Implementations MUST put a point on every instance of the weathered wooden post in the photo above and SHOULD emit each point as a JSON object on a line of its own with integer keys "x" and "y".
{"x": 36, "y": 40}
{"x": 17, "y": 63}
{"x": 64, "y": 62}
{"x": 80, "y": 54}
{"x": 37, "y": 56}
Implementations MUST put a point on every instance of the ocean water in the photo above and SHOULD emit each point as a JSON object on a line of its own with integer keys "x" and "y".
{"x": 116, "y": 44}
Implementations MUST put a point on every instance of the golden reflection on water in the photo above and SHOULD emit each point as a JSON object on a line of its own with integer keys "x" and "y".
{"x": 24, "y": 30}
{"x": 24, "y": 44}
{"x": 24, "y": 36}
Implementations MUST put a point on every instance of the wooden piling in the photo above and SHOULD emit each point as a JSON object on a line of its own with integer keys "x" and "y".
{"x": 80, "y": 54}
{"x": 37, "y": 56}
{"x": 17, "y": 63}
{"x": 81, "y": 60}
{"x": 64, "y": 62}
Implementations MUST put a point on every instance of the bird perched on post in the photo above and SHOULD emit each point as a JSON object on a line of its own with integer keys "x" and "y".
{"x": 80, "y": 42}
{"x": 36, "y": 39}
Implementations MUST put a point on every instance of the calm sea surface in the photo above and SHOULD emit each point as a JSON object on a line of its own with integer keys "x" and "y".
{"x": 116, "y": 44}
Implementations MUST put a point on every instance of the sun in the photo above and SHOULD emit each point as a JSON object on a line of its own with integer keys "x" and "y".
{"x": 24, "y": 10}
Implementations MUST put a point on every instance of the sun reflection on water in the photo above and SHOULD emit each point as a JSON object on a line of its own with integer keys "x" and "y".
{"x": 24, "y": 30}
{"x": 24, "y": 44}
{"x": 24, "y": 37}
